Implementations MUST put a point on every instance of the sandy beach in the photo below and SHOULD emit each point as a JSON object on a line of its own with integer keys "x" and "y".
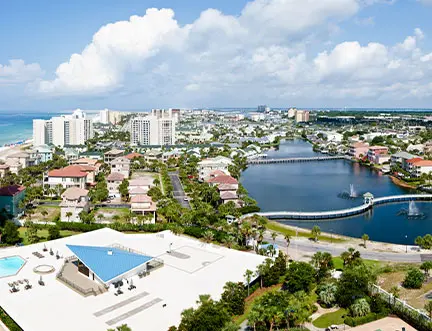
{"x": 9, "y": 150}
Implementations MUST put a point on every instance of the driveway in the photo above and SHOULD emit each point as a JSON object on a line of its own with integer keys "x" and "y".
{"x": 178, "y": 191}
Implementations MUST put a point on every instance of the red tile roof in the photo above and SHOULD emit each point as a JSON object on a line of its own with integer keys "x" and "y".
{"x": 133, "y": 155}
{"x": 414, "y": 160}
{"x": 11, "y": 190}
{"x": 225, "y": 179}
{"x": 70, "y": 171}
{"x": 422, "y": 163}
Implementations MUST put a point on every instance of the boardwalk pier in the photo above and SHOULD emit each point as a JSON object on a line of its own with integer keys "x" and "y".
{"x": 297, "y": 159}
{"x": 369, "y": 202}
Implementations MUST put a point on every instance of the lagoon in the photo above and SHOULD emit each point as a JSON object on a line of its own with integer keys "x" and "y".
{"x": 315, "y": 186}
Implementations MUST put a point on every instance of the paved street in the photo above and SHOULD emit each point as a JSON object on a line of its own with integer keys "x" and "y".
{"x": 178, "y": 192}
{"x": 303, "y": 248}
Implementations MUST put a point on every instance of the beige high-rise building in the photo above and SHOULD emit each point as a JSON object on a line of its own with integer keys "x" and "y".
{"x": 302, "y": 116}
{"x": 157, "y": 128}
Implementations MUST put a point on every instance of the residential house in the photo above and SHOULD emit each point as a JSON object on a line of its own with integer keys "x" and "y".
{"x": 206, "y": 166}
{"x": 112, "y": 154}
{"x": 227, "y": 187}
{"x": 400, "y": 159}
{"x": 114, "y": 180}
{"x": 72, "y": 176}
{"x": 74, "y": 201}
{"x": 71, "y": 154}
{"x": 152, "y": 155}
{"x": 14, "y": 166}
{"x": 4, "y": 169}
{"x": 134, "y": 155}
{"x": 358, "y": 149}
{"x": 419, "y": 148}
{"x": 142, "y": 204}
{"x": 10, "y": 197}
{"x": 121, "y": 165}
{"x": 418, "y": 166}
{"x": 88, "y": 162}
{"x": 22, "y": 157}
{"x": 428, "y": 147}
{"x": 92, "y": 155}
{"x": 43, "y": 153}
{"x": 374, "y": 151}
{"x": 140, "y": 185}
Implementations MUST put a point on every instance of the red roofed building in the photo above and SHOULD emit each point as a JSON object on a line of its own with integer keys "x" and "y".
{"x": 224, "y": 179}
{"x": 417, "y": 166}
{"x": 72, "y": 176}
{"x": 10, "y": 197}
{"x": 132, "y": 156}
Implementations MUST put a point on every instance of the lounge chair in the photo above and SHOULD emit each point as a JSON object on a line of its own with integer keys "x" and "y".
{"x": 20, "y": 281}
{"x": 27, "y": 287}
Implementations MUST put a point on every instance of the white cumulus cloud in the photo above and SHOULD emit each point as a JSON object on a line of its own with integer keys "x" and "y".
{"x": 17, "y": 71}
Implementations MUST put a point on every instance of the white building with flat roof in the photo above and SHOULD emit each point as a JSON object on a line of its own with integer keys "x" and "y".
{"x": 74, "y": 129}
{"x": 190, "y": 268}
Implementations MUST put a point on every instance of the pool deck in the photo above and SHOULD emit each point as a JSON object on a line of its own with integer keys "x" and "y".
{"x": 158, "y": 300}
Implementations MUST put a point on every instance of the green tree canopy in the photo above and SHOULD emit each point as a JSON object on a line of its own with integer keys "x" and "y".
{"x": 299, "y": 277}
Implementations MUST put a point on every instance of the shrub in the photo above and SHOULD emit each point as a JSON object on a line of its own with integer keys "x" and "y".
{"x": 355, "y": 321}
{"x": 8, "y": 321}
{"x": 414, "y": 278}
{"x": 249, "y": 209}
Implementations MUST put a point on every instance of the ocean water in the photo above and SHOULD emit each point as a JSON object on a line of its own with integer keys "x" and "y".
{"x": 16, "y": 126}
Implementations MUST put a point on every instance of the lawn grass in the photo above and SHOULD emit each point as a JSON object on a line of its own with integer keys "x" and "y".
{"x": 251, "y": 299}
{"x": 328, "y": 319}
{"x": 338, "y": 263}
{"x": 43, "y": 234}
{"x": 274, "y": 226}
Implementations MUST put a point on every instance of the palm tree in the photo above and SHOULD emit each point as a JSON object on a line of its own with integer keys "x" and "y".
{"x": 327, "y": 295}
{"x": 100, "y": 217}
{"x": 315, "y": 232}
{"x": 395, "y": 291}
{"x": 208, "y": 236}
{"x": 360, "y": 308}
{"x": 229, "y": 241}
{"x": 68, "y": 215}
{"x": 428, "y": 308}
{"x": 44, "y": 213}
{"x": 116, "y": 218}
{"x": 365, "y": 238}
{"x": 248, "y": 276}
{"x": 287, "y": 238}
{"x": 274, "y": 236}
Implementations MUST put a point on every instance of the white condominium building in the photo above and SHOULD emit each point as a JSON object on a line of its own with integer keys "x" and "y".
{"x": 157, "y": 128}
{"x": 107, "y": 116}
{"x": 63, "y": 130}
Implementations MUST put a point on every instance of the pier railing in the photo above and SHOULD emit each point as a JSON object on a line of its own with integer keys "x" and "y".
{"x": 297, "y": 159}
{"x": 316, "y": 215}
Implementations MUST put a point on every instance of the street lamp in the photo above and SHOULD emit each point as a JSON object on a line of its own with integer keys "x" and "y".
{"x": 406, "y": 244}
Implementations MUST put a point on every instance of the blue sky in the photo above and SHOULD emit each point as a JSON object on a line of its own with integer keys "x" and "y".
{"x": 224, "y": 53}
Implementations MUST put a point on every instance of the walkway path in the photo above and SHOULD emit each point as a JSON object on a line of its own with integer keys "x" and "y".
{"x": 302, "y": 248}
{"x": 297, "y": 159}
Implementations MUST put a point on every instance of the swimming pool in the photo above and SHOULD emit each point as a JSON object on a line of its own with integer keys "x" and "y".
{"x": 11, "y": 265}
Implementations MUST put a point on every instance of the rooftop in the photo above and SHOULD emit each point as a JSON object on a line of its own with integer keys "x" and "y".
{"x": 205, "y": 268}
{"x": 108, "y": 262}
{"x": 71, "y": 171}
{"x": 74, "y": 193}
{"x": 115, "y": 176}
{"x": 223, "y": 179}
{"x": 11, "y": 190}
{"x": 133, "y": 155}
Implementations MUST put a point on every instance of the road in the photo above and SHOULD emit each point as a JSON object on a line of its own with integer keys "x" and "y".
{"x": 298, "y": 248}
{"x": 178, "y": 191}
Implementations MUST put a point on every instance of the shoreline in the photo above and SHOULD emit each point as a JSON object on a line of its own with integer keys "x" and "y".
{"x": 401, "y": 183}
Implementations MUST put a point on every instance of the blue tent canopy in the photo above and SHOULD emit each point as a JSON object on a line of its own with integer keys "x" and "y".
{"x": 108, "y": 263}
